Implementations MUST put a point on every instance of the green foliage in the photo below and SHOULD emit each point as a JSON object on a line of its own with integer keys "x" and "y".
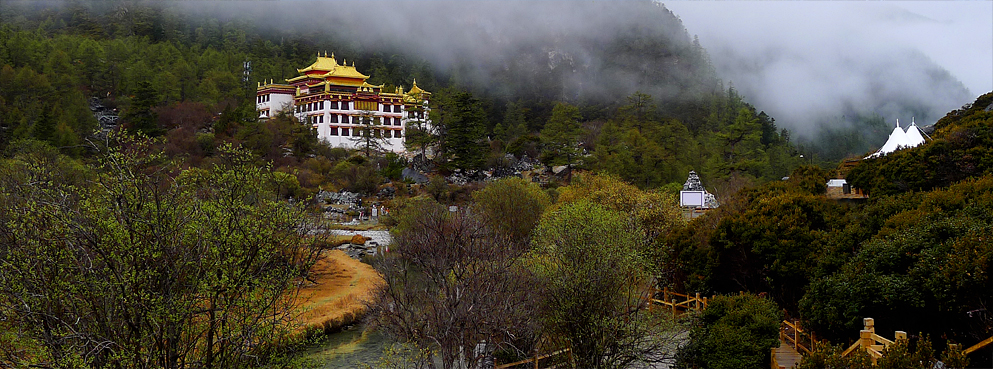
{"x": 140, "y": 113}
{"x": 733, "y": 332}
{"x": 460, "y": 119}
{"x": 767, "y": 239}
{"x": 593, "y": 263}
{"x": 560, "y": 137}
{"x": 394, "y": 166}
{"x": 961, "y": 148}
{"x": 358, "y": 176}
{"x": 514, "y": 124}
{"x": 513, "y": 206}
{"x": 827, "y": 356}
{"x": 148, "y": 266}
{"x": 657, "y": 212}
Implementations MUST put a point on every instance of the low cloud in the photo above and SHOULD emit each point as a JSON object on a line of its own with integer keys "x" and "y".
{"x": 805, "y": 62}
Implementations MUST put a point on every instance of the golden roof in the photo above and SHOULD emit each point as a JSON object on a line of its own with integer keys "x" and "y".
{"x": 415, "y": 90}
{"x": 345, "y": 71}
{"x": 366, "y": 87}
{"x": 416, "y": 94}
{"x": 323, "y": 64}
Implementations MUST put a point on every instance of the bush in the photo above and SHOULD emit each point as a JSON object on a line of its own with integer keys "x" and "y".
{"x": 734, "y": 332}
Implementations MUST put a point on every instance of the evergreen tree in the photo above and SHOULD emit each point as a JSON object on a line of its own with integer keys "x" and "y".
{"x": 461, "y": 119}
{"x": 45, "y": 127}
{"x": 141, "y": 113}
{"x": 514, "y": 124}
{"x": 741, "y": 144}
{"x": 560, "y": 136}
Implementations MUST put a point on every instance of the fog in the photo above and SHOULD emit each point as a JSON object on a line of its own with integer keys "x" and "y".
{"x": 486, "y": 40}
{"x": 802, "y": 61}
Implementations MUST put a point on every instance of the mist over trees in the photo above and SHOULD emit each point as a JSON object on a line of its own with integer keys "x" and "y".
{"x": 644, "y": 84}
{"x": 637, "y": 102}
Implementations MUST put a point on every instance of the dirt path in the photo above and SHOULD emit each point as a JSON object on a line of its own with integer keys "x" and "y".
{"x": 337, "y": 297}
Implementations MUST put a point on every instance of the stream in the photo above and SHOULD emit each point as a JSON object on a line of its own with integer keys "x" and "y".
{"x": 353, "y": 347}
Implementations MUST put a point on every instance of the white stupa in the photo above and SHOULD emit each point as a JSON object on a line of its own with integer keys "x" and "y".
{"x": 914, "y": 137}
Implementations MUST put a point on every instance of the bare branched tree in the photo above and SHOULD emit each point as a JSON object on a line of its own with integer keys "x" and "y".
{"x": 456, "y": 287}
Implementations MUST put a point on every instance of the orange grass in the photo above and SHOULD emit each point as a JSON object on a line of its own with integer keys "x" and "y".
{"x": 342, "y": 287}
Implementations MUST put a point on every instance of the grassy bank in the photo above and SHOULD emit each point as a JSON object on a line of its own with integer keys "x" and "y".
{"x": 337, "y": 294}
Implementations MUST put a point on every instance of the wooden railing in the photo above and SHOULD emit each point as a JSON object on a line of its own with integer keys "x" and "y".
{"x": 678, "y": 302}
{"x": 801, "y": 341}
{"x": 538, "y": 357}
{"x": 872, "y": 343}
{"x": 978, "y": 346}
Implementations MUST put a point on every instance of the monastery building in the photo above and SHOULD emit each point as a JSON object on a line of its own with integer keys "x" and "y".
{"x": 338, "y": 102}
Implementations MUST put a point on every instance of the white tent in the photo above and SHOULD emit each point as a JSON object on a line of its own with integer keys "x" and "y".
{"x": 914, "y": 137}
{"x": 898, "y": 139}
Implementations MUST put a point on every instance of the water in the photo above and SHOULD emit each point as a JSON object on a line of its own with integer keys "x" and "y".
{"x": 353, "y": 347}
{"x": 382, "y": 237}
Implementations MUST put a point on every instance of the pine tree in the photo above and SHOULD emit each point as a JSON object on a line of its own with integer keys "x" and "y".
{"x": 560, "y": 136}
{"x": 141, "y": 114}
{"x": 462, "y": 123}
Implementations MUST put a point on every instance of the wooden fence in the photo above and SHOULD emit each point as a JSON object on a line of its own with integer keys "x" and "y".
{"x": 872, "y": 343}
{"x": 538, "y": 357}
{"x": 793, "y": 335}
{"x": 978, "y": 346}
{"x": 678, "y": 302}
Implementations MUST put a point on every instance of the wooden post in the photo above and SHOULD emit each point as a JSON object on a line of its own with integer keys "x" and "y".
{"x": 796, "y": 335}
{"x": 536, "y": 358}
{"x": 869, "y": 324}
{"x": 865, "y": 339}
{"x": 674, "y": 307}
{"x": 697, "y": 301}
{"x": 900, "y": 335}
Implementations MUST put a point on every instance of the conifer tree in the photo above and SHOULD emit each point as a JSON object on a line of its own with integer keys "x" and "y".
{"x": 141, "y": 114}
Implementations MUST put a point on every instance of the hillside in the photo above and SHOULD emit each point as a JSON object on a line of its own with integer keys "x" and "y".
{"x": 960, "y": 149}
{"x": 649, "y": 105}
{"x": 915, "y": 256}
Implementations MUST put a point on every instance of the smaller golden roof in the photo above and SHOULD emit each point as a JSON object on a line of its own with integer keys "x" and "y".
{"x": 323, "y": 64}
{"x": 366, "y": 87}
{"x": 416, "y": 94}
{"x": 345, "y": 71}
{"x": 415, "y": 90}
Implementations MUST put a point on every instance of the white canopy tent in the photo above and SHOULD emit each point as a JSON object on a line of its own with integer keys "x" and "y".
{"x": 899, "y": 139}
{"x": 914, "y": 136}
